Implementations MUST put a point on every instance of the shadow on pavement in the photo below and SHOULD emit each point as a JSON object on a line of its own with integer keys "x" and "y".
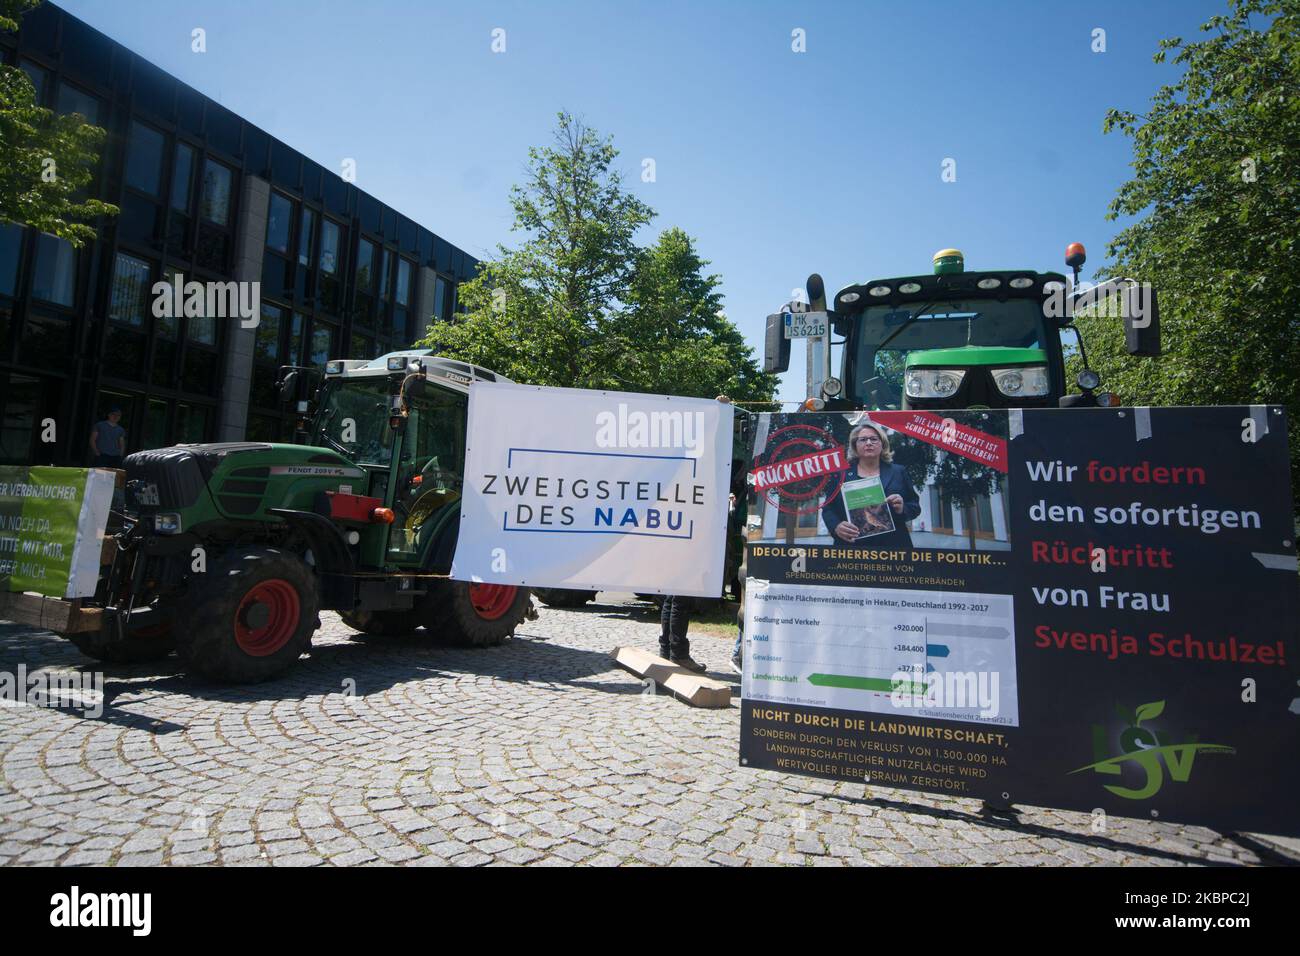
{"x": 1070, "y": 836}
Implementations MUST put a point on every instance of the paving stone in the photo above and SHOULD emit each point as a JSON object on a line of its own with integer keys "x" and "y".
{"x": 539, "y": 752}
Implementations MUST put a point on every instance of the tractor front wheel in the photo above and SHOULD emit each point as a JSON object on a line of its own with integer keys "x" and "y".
{"x": 475, "y": 614}
{"x": 253, "y": 615}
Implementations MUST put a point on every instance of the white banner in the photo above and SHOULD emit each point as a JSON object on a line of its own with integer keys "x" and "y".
{"x": 569, "y": 488}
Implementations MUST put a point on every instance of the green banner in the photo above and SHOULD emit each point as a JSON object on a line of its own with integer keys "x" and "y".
{"x": 51, "y": 524}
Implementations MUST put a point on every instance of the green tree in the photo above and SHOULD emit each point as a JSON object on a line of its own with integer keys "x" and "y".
{"x": 46, "y": 160}
{"x": 1216, "y": 184}
{"x": 676, "y": 338}
{"x": 580, "y": 304}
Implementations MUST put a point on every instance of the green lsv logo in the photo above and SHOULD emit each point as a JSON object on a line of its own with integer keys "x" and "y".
{"x": 1149, "y": 750}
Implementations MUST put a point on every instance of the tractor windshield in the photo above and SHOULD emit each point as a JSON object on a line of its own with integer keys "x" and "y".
{"x": 883, "y": 336}
{"x": 353, "y": 420}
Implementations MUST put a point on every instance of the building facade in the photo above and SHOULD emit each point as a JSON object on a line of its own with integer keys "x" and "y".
{"x": 213, "y": 198}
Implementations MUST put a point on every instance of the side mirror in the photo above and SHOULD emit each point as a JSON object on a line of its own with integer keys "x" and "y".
{"x": 1141, "y": 317}
{"x": 286, "y": 386}
{"x": 417, "y": 387}
{"x": 776, "y": 347}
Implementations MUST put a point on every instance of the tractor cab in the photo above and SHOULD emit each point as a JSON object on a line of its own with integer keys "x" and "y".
{"x": 958, "y": 339}
{"x": 401, "y": 420}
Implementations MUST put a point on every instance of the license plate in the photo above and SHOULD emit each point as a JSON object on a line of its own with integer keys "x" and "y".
{"x": 805, "y": 325}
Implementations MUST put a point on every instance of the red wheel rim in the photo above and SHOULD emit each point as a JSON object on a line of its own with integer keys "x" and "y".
{"x": 492, "y": 600}
{"x": 267, "y": 618}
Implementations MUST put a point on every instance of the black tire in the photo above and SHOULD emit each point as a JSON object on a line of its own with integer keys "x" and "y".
{"x": 450, "y": 616}
{"x": 387, "y": 623}
{"x": 563, "y": 597}
{"x": 252, "y": 615}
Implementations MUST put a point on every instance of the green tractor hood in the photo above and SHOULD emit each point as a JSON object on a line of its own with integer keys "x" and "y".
{"x": 989, "y": 356}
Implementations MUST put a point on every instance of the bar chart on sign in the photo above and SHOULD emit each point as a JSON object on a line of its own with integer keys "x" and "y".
{"x": 934, "y": 654}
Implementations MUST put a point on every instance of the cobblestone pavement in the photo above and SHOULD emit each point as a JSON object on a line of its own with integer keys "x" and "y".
{"x": 540, "y": 751}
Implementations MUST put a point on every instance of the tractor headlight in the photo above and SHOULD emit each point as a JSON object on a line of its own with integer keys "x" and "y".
{"x": 167, "y": 523}
{"x": 397, "y": 363}
{"x": 334, "y": 367}
{"x": 1030, "y": 381}
{"x": 933, "y": 382}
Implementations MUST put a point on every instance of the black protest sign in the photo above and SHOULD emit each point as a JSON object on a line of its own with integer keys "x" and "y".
{"x": 1093, "y": 608}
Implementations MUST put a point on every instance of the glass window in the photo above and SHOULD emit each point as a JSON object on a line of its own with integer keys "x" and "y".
{"x": 306, "y": 232}
{"x": 212, "y": 247}
{"x": 322, "y": 344}
{"x": 166, "y": 325}
{"x": 329, "y": 247}
{"x": 403, "y": 282}
{"x": 887, "y": 335}
{"x": 267, "y": 348}
{"x": 129, "y": 298}
{"x": 365, "y": 266}
{"x": 191, "y": 423}
{"x": 182, "y": 174}
{"x": 20, "y": 403}
{"x": 124, "y": 352}
{"x": 295, "y": 340}
{"x": 279, "y": 220}
{"x": 144, "y": 154}
{"x": 385, "y": 274}
{"x": 55, "y": 276}
{"x": 440, "y": 310}
{"x": 138, "y": 220}
{"x": 202, "y": 329}
{"x": 72, "y": 100}
{"x": 46, "y": 342}
{"x": 214, "y": 202}
{"x": 11, "y": 246}
{"x": 39, "y": 78}
{"x": 199, "y": 370}
{"x": 155, "y": 425}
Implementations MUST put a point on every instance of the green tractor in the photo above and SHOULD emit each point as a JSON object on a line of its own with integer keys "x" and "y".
{"x": 228, "y": 552}
{"x": 956, "y": 339}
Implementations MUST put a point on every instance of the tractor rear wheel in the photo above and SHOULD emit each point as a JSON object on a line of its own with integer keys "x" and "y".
{"x": 474, "y": 614}
{"x": 252, "y": 616}
{"x": 387, "y": 623}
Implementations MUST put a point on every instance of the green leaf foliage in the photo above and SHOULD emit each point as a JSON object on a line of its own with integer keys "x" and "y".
{"x": 47, "y": 161}
{"x": 1216, "y": 189}
{"x": 579, "y": 303}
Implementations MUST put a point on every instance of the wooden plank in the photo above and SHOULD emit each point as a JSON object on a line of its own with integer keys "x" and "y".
{"x": 696, "y": 689}
{"x": 108, "y": 548}
{"x": 52, "y": 614}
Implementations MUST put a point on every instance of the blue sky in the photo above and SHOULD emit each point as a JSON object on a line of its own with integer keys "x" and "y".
{"x": 778, "y": 163}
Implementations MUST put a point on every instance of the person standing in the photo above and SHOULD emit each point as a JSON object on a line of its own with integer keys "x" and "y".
{"x": 108, "y": 440}
{"x": 674, "y": 620}
{"x": 738, "y": 649}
